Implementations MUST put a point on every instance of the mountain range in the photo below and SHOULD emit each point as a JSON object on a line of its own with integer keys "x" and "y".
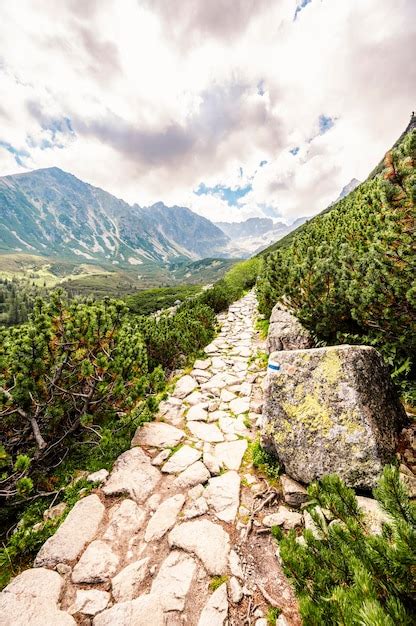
{"x": 53, "y": 213}
{"x": 53, "y": 216}
{"x": 49, "y": 212}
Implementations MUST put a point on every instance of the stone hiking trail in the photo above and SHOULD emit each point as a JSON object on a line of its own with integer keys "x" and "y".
{"x": 174, "y": 535}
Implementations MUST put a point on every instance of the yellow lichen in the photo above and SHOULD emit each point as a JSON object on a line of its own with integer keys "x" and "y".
{"x": 330, "y": 368}
{"x": 311, "y": 413}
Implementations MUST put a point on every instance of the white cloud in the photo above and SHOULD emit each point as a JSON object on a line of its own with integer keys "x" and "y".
{"x": 161, "y": 100}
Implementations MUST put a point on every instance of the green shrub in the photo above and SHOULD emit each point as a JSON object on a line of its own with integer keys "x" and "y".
{"x": 172, "y": 340}
{"x": 349, "y": 576}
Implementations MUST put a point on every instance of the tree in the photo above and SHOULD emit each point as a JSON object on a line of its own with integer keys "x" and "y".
{"x": 68, "y": 368}
{"x": 348, "y": 575}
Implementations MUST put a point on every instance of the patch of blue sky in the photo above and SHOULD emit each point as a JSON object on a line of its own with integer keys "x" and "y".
{"x": 262, "y": 163}
{"x": 301, "y": 5}
{"x": 229, "y": 195}
{"x": 294, "y": 150}
{"x": 19, "y": 155}
{"x": 325, "y": 123}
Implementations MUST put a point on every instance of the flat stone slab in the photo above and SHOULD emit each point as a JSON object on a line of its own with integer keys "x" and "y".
{"x": 126, "y": 585}
{"x": 198, "y": 413}
{"x": 90, "y": 601}
{"x": 164, "y": 517}
{"x": 173, "y": 580}
{"x": 206, "y": 432}
{"x": 157, "y": 435}
{"x": 215, "y": 612}
{"x": 31, "y": 612}
{"x": 223, "y": 495}
{"x": 202, "y": 364}
{"x": 37, "y": 582}
{"x": 233, "y": 426}
{"x": 208, "y": 541}
{"x": 97, "y": 564}
{"x": 77, "y": 530}
{"x": 126, "y": 519}
{"x": 181, "y": 459}
{"x": 240, "y": 406}
{"x": 195, "y": 474}
{"x": 134, "y": 475}
{"x": 184, "y": 386}
{"x": 230, "y": 453}
{"x": 139, "y": 612}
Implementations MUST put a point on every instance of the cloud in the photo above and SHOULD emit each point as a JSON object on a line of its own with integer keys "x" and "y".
{"x": 150, "y": 99}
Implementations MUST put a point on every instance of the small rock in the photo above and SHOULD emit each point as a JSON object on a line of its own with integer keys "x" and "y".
{"x": 196, "y": 397}
{"x": 97, "y": 564}
{"x": 126, "y": 518}
{"x": 164, "y": 518}
{"x": 310, "y": 524}
{"x": 215, "y": 611}
{"x": 230, "y": 453}
{"x": 206, "y": 432}
{"x": 374, "y": 516}
{"x": 78, "y": 529}
{"x": 283, "y": 517}
{"x": 157, "y": 435}
{"x": 293, "y": 493}
{"x": 198, "y": 413}
{"x": 185, "y": 386}
{"x": 173, "y": 580}
{"x": 236, "y": 591}
{"x": 159, "y": 459}
{"x": 235, "y": 565}
{"x": 63, "y": 569}
{"x": 196, "y": 509}
{"x": 139, "y": 612}
{"x": 55, "y": 511}
{"x": 196, "y": 492}
{"x": 134, "y": 475}
{"x": 154, "y": 501}
{"x": 202, "y": 364}
{"x": 213, "y": 464}
{"x": 239, "y": 406}
{"x": 208, "y": 541}
{"x": 181, "y": 459}
{"x": 36, "y": 583}
{"x": 126, "y": 585}
{"x": 193, "y": 475}
{"x": 98, "y": 477}
{"x": 282, "y": 621}
{"x": 227, "y": 396}
{"x": 90, "y": 601}
{"x": 223, "y": 495}
{"x": 261, "y": 622}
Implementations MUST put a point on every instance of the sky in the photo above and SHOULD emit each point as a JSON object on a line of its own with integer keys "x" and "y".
{"x": 234, "y": 108}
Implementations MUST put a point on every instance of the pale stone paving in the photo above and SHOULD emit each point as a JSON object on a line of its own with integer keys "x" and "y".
{"x": 144, "y": 548}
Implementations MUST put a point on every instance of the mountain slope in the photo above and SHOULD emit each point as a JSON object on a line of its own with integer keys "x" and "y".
{"x": 348, "y": 274}
{"x": 51, "y": 212}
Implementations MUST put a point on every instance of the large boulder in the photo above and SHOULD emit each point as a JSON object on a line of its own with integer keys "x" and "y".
{"x": 286, "y": 332}
{"x": 332, "y": 410}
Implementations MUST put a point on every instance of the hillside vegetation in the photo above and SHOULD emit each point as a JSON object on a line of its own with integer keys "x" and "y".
{"x": 349, "y": 274}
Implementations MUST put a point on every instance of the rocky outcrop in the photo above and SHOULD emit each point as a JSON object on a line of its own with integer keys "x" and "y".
{"x": 332, "y": 410}
{"x": 286, "y": 332}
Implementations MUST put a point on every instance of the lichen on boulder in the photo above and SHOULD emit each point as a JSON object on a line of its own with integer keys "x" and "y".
{"x": 332, "y": 410}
